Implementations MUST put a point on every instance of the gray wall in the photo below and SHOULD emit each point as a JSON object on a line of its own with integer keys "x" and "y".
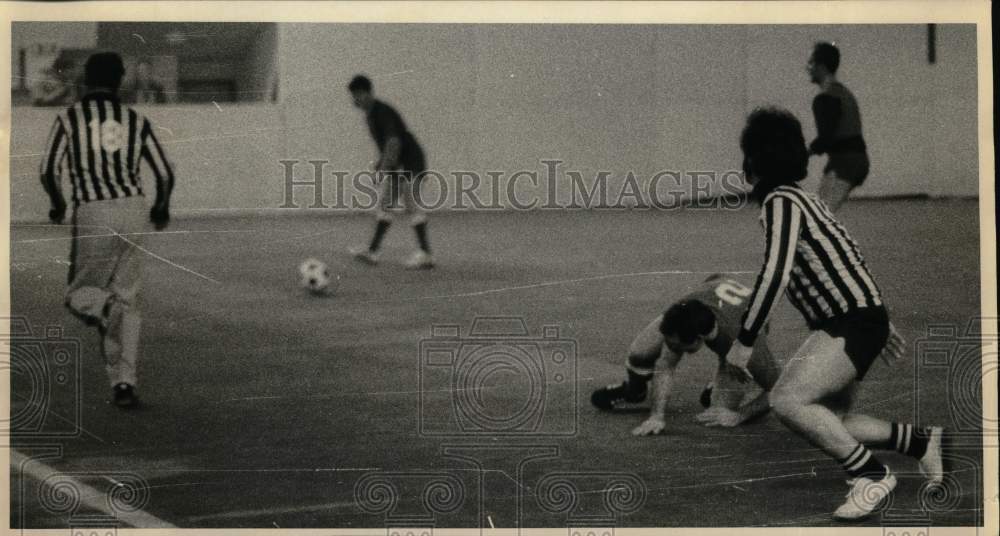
{"x": 615, "y": 98}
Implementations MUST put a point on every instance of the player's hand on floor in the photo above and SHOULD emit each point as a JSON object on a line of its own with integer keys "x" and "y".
{"x": 651, "y": 426}
{"x": 718, "y": 416}
{"x": 57, "y": 213}
{"x": 160, "y": 216}
{"x": 737, "y": 359}
{"x": 894, "y": 346}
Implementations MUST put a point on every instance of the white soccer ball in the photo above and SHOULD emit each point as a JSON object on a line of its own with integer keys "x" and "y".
{"x": 316, "y": 276}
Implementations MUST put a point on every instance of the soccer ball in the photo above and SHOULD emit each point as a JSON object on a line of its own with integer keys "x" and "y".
{"x": 316, "y": 276}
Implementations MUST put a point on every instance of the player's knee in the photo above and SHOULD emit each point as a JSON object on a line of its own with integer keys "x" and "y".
{"x": 641, "y": 361}
{"x": 381, "y": 214}
{"x": 785, "y": 402}
{"x": 86, "y": 303}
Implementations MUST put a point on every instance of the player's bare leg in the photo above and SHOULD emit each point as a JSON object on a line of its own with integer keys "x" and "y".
{"x": 819, "y": 370}
{"x": 388, "y": 199}
{"x": 834, "y": 190}
{"x": 121, "y": 336}
{"x": 924, "y": 444}
{"x": 104, "y": 285}
{"x": 409, "y": 190}
{"x": 643, "y": 353}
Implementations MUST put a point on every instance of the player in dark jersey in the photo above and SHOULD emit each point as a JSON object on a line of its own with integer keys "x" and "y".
{"x": 810, "y": 257}
{"x": 400, "y": 167}
{"x": 706, "y": 317}
{"x": 838, "y": 127}
{"x": 99, "y": 143}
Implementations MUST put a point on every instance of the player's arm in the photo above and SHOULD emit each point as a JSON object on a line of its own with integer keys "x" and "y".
{"x": 153, "y": 154}
{"x": 826, "y": 111}
{"x": 389, "y": 123}
{"x": 782, "y": 224}
{"x": 55, "y": 151}
{"x": 662, "y": 383}
{"x": 760, "y": 405}
{"x": 766, "y": 372}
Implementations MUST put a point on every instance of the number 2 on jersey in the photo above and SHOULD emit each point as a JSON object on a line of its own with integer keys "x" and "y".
{"x": 732, "y": 292}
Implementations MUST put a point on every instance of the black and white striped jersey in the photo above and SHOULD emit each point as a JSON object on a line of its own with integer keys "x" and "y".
{"x": 99, "y": 143}
{"x": 810, "y": 256}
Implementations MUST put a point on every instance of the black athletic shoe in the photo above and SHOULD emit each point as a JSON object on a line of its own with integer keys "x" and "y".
{"x": 124, "y": 396}
{"x": 617, "y": 397}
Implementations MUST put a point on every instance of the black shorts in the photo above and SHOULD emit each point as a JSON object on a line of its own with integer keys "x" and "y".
{"x": 851, "y": 167}
{"x": 413, "y": 161}
{"x": 865, "y": 333}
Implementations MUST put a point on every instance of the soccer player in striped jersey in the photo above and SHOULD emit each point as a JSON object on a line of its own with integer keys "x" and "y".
{"x": 710, "y": 317}
{"x": 838, "y": 127}
{"x": 99, "y": 143}
{"x": 810, "y": 257}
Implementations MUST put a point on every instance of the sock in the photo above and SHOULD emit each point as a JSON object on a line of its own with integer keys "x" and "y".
{"x": 637, "y": 382}
{"x": 380, "y": 230}
{"x": 905, "y": 439}
{"x": 421, "y": 230}
{"x": 861, "y": 463}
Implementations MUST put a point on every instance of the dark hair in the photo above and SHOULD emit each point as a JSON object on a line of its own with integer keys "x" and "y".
{"x": 687, "y": 319}
{"x": 104, "y": 69}
{"x": 360, "y": 83}
{"x": 827, "y": 55}
{"x": 774, "y": 150}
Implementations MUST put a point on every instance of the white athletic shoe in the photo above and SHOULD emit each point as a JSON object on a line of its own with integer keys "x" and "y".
{"x": 931, "y": 465}
{"x": 420, "y": 260}
{"x": 864, "y": 497}
{"x": 364, "y": 255}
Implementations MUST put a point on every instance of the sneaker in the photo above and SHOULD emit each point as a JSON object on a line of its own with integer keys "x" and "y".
{"x": 364, "y": 255}
{"x": 931, "y": 464}
{"x": 420, "y": 260}
{"x": 865, "y": 497}
{"x": 616, "y": 397}
{"x": 124, "y": 395}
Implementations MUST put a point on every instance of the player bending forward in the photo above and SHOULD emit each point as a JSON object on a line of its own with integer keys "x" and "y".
{"x": 400, "y": 168}
{"x": 710, "y": 316}
{"x": 99, "y": 143}
{"x": 813, "y": 260}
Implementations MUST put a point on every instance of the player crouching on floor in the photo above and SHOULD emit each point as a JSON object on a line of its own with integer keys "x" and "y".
{"x": 707, "y": 317}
